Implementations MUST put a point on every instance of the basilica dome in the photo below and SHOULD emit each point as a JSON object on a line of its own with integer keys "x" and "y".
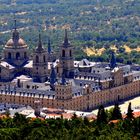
{"x": 16, "y": 41}
{"x": 20, "y": 43}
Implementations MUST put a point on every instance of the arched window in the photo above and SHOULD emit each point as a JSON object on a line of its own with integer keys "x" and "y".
{"x": 9, "y": 55}
{"x": 37, "y": 59}
{"x": 44, "y": 58}
{"x": 57, "y": 69}
{"x": 70, "y": 54}
{"x": 25, "y": 55}
{"x": 17, "y": 55}
{"x": 63, "y": 53}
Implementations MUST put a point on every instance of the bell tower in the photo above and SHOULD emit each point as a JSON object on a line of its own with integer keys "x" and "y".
{"x": 40, "y": 63}
{"x": 66, "y": 58}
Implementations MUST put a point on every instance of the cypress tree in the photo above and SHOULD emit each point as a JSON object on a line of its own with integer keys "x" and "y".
{"x": 129, "y": 114}
{"x": 102, "y": 116}
{"x": 116, "y": 114}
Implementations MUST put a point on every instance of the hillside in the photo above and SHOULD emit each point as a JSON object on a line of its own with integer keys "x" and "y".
{"x": 98, "y": 23}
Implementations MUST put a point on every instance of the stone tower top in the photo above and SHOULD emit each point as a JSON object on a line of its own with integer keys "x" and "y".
{"x": 39, "y": 47}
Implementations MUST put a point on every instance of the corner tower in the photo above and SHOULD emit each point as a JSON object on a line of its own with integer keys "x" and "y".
{"x": 63, "y": 90}
{"x": 66, "y": 58}
{"x": 40, "y": 63}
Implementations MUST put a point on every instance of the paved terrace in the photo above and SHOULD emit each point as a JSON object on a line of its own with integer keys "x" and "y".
{"x": 135, "y": 103}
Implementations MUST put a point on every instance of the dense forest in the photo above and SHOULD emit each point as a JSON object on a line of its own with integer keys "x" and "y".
{"x": 103, "y": 128}
{"x": 91, "y": 23}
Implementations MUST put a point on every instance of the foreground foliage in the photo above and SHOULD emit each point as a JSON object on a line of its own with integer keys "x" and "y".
{"x": 21, "y": 128}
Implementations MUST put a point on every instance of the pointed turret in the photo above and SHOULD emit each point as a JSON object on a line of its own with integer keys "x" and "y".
{"x": 39, "y": 47}
{"x": 52, "y": 75}
{"x": 63, "y": 80}
{"x": 49, "y": 46}
{"x": 15, "y": 36}
{"x": 15, "y": 24}
{"x": 113, "y": 61}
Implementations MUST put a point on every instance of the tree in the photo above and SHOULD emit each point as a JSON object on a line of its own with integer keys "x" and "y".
{"x": 7, "y": 113}
{"x": 129, "y": 114}
{"x": 86, "y": 121}
{"x": 74, "y": 116}
{"x": 102, "y": 116}
{"x": 109, "y": 113}
{"x": 19, "y": 119}
{"x": 116, "y": 114}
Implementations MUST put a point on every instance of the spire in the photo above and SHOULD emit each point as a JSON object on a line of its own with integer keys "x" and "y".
{"x": 15, "y": 36}
{"x": 39, "y": 47}
{"x": 63, "y": 81}
{"x": 15, "y": 24}
{"x": 49, "y": 46}
{"x": 52, "y": 77}
{"x": 66, "y": 41}
{"x": 113, "y": 61}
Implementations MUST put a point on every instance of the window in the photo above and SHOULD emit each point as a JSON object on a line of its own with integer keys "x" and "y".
{"x": 63, "y": 53}
{"x": 17, "y": 55}
{"x": 70, "y": 54}
{"x": 9, "y": 55}
{"x": 57, "y": 69}
{"x": 37, "y": 59}
{"x": 25, "y": 55}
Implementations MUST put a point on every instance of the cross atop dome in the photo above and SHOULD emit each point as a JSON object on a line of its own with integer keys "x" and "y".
{"x": 15, "y": 36}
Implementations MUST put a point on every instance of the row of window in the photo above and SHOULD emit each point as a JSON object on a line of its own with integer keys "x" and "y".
{"x": 18, "y": 55}
{"x": 64, "y": 54}
{"x": 37, "y": 59}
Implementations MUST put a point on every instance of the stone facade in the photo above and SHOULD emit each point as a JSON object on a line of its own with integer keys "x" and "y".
{"x": 64, "y": 98}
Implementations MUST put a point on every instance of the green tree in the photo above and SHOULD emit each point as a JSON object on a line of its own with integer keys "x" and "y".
{"x": 20, "y": 119}
{"x": 102, "y": 116}
{"x": 7, "y": 113}
{"x": 86, "y": 121}
{"x": 116, "y": 114}
{"x": 129, "y": 114}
